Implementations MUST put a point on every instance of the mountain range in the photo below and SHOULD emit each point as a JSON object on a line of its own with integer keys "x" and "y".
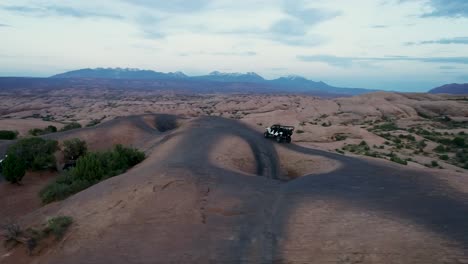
{"x": 250, "y": 79}
{"x": 453, "y": 88}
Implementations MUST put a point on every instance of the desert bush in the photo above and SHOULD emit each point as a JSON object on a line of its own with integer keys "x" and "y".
{"x": 71, "y": 126}
{"x": 74, "y": 148}
{"x": 8, "y": 135}
{"x": 440, "y": 149}
{"x": 37, "y": 153}
{"x": 444, "y": 157}
{"x": 340, "y": 151}
{"x": 11, "y": 233}
{"x": 299, "y": 131}
{"x": 58, "y": 226}
{"x": 64, "y": 186}
{"x": 459, "y": 142}
{"x": 340, "y": 137}
{"x": 93, "y": 122}
{"x": 13, "y": 168}
{"x": 397, "y": 159}
{"x": 90, "y": 169}
{"x": 39, "y": 132}
{"x": 434, "y": 163}
{"x": 387, "y": 127}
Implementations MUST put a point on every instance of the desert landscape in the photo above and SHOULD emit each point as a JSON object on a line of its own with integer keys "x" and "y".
{"x": 234, "y": 132}
{"x": 374, "y": 178}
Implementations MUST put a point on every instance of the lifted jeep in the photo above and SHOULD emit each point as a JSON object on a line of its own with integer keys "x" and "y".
{"x": 279, "y": 132}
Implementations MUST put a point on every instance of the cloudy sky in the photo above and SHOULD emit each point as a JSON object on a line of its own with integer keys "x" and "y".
{"x": 384, "y": 44}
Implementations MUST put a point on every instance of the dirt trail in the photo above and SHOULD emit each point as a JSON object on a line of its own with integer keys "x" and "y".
{"x": 179, "y": 206}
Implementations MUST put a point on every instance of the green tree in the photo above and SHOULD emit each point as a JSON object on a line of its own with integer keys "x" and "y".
{"x": 37, "y": 153}
{"x": 8, "y": 135}
{"x": 13, "y": 168}
{"x": 74, "y": 148}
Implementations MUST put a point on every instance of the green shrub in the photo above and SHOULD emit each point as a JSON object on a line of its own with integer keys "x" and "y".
{"x": 434, "y": 163}
{"x": 387, "y": 127}
{"x": 444, "y": 157}
{"x": 13, "y": 168}
{"x": 440, "y": 149}
{"x": 64, "y": 186}
{"x": 459, "y": 142}
{"x": 90, "y": 169}
{"x": 8, "y": 135}
{"x": 340, "y": 137}
{"x": 74, "y": 148}
{"x": 39, "y": 132}
{"x": 397, "y": 159}
{"x": 300, "y": 131}
{"x": 58, "y": 226}
{"x": 93, "y": 122}
{"x": 37, "y": 153}
{"x": 71, "y": 126}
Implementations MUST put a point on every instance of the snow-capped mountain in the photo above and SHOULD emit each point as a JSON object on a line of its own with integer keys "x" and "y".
{"x": 249, "y": 80}
{"x": 120, "y": 73}
{"x": 232, "y": 77}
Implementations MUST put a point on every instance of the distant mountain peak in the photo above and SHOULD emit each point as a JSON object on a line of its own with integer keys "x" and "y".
{"x": 233, "y": 76}
{"x": 120, "y": 73}
{"x": 291, "y": 83}
{"x": 453, "y": 88}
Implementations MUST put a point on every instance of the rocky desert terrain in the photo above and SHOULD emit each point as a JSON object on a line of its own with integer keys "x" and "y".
{"x": 375, "y": 178}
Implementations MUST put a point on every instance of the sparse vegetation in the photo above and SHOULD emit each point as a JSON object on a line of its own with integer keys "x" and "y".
{"x": 14, "y": 235}
{"x": 40, "y": 132}
{"x": 71, "y": 126}
{"x": 386, "y": 127}
{"x": 395, "y": 158}
{"x": 8, "y": 135}
{"x": 58, "y": 226}
{"x": 91, "y": 169}
{"x": 340, "y": 137}
{"x": 300, "y": 131}
{"x": 93, "y": 122}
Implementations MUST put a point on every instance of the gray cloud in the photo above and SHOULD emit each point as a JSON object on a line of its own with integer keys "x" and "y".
{"x": 172, "y": 6}
{"x": 4, "y": 25}
{"x": 300, "y": 18}
{"x": 349, "y": 61}
{"x": 308, "y": 16}
{"x": 458, "y": 40}
{"x": 58, "y": 11}
{"x": 150, "y": 26}
{"x": 293, "y": 30}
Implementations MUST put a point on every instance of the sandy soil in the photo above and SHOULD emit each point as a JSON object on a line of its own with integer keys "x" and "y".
{"x": 19, "y": 200}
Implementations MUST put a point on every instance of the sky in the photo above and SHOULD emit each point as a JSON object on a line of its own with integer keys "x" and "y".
{"x": 401, "y": 45}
